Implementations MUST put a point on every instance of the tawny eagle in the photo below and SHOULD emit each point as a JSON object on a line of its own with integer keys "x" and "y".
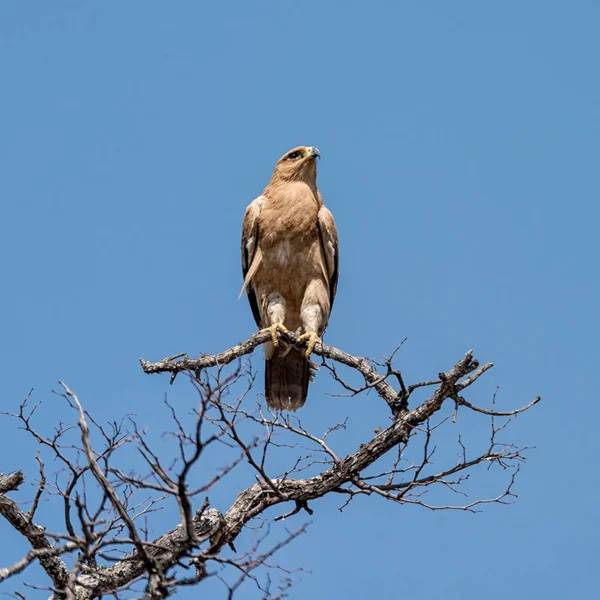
{"x": 290, "y": 266}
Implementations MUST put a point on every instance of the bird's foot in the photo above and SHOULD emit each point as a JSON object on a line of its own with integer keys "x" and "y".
{"x": 312, "y": 338}
{"x": 273, "y": 329}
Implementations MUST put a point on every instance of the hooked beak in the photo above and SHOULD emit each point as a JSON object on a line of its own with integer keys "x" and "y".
{"x": 313, "y": 152}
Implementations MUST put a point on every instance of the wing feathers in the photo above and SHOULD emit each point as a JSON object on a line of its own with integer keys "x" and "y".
{"x": 251, "y": 255}
{"x": 329, "y": 245}
{"x": 251, "y": 271}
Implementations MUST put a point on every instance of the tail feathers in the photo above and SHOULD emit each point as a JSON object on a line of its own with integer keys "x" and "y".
{"x": 286, "y": 379}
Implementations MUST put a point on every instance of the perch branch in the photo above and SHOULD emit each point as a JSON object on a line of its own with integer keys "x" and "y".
{"x": 196, "y": 365}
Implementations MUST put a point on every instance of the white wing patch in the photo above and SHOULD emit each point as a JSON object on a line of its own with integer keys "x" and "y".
{"x": 331, "y": 248}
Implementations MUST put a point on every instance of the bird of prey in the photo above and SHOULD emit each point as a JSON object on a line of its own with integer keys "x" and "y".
{"x": 290, "y": 266}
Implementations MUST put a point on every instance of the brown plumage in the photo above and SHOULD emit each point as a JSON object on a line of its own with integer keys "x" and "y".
{"x": 290, "y": 266}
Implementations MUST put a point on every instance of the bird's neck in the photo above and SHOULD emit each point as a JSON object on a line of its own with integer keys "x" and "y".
{"x": 285, "y": 191}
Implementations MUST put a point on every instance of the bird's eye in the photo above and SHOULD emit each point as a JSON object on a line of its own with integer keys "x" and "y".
{"x": 293, "y": 155}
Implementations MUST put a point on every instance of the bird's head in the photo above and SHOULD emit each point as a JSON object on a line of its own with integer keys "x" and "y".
{"x": 298, "y": 164}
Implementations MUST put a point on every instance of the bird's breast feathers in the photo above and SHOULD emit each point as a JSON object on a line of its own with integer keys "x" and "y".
{"x": 282, "y": 251}
{"x": 288, "y": 219}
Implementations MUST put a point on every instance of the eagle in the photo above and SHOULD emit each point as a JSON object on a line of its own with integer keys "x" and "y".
{"x": 290, "y": 266}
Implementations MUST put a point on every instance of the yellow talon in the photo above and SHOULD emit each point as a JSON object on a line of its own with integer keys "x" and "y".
{"x": 312, "y": 338}
{"x": 273, "y": 329}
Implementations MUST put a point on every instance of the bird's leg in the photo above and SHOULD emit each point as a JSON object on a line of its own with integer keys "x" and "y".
{"x": 312, "y": 338}
{"x": 312, "y": 314}
{"x": 276, "y": 316}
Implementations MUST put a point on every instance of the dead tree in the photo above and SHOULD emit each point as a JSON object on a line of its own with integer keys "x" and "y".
{"x": 108, "y": 509}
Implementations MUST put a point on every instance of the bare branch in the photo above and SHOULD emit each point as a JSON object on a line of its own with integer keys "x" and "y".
{"x": 460, "y": 400}
{"x": 40, "y": 490}
{"x": 105, "y": 484}
{"x": 11, "y": 482}
{"x": 55, "y": 568}
{"x": 107, "y": 506}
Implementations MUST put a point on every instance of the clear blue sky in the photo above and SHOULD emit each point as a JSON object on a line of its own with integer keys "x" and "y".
{"x": 459, "y": 145}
